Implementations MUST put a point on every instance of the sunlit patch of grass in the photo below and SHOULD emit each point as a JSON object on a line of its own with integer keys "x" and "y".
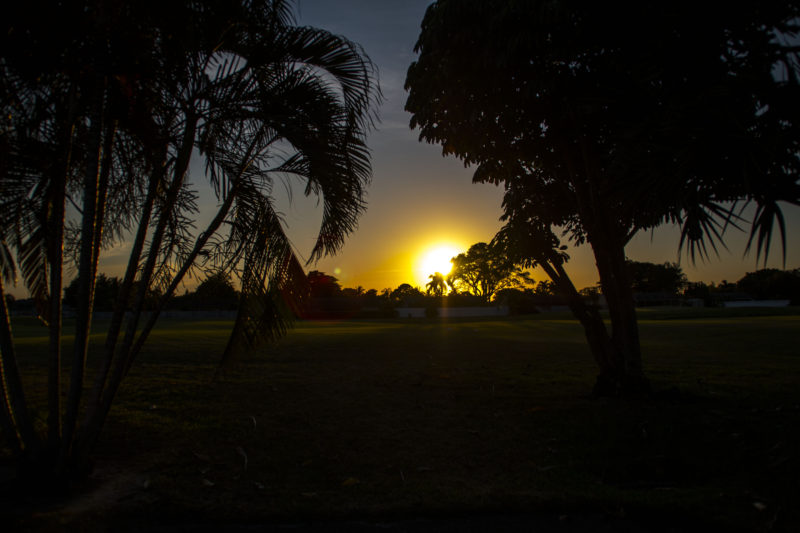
{"x": 393, "y": 418}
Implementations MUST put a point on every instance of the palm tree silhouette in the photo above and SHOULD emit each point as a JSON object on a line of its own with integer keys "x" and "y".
{"x": 114, "y": 127}
{"x": 437, "y": 285}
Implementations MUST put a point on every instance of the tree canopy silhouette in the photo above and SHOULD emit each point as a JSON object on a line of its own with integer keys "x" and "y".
{"x": 216, "y": 292}
{"x": 323, "y": 285}
{"x": 406, "y": 294}
{"x": 105, "y": 292}
{"x": 104, "y": 104}
{"x": 600, "y": 128}
{"x": 483, "y": 270}
{"x": 652, "y": 277}
{"x": 771, "y": 283}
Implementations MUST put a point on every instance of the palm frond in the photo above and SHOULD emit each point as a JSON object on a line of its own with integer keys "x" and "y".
{"x": 33, "y": 267}
{"x": 767, "y": 214}
{"x": 342, "y": 59}
{"x": 273, "y": 281}
{"x": 298, "y": 107}
{"x": 702, "y": 228}
{"x": 178, "y": 240}
{"x": 126, "y": 192}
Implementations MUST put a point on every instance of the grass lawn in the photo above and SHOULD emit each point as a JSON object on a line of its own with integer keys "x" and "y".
{"x": 383, "y": 420}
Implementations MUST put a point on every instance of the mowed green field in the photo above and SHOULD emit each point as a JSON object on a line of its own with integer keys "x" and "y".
{"x": 408, "y": 418}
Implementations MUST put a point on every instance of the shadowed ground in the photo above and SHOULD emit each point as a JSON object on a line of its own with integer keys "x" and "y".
{"x": 430, "y": 425}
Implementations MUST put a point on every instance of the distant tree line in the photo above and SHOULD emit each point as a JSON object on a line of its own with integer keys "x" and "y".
{"x": 523, "y": 295}
{"x": 764, "y": 284}
{"x": 653, "y": 284}
{"x": 215, "y": 292}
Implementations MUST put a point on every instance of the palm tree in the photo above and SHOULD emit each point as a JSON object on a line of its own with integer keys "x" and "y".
{"x": 437, "y": 285}
{"x": 259, "y": 98}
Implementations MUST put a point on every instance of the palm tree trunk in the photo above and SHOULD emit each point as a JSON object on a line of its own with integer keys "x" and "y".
{"x": 103, "y": 396}
{"x": 200, "y": 244}
{"x": 176, "y": 281}
{"x": 56, "y": 259}
{"x": 102, "y": 194}
{"x": 57, "y": 198}
{"x": 131, "y": 354}
{"x": 99, "y": 410}
{"x": 93, "y": 420}
{"x": 178, "y": 177}
{"x": 120, "y": 305}
{"x": 16, "y": 421}
{"x": 86, "y": 275}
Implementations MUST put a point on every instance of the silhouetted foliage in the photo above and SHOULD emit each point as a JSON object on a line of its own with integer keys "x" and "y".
{"x": 106, "y": 292}
{"x": 545, "y": 288}
{"x": 485, "y": 269}
{"x": 602, "y": 128}
{"x": 771, "y": 283}
{"x": 353, "y": 292}
{"x": 104, "y": 104}
{"x": 652, "y": 277}
{"x": 518, "y": 301}
{"x": 216, "y": 292}
{"x": 407, "y": 295}
{"x": 329, "y": 301}
{"x": 437, "y": 286}
{"x": 699, "y": 290}
{"x": 463, "y": 299}
{"x": 323, "y": 285}
{"x": 592, "y": 293}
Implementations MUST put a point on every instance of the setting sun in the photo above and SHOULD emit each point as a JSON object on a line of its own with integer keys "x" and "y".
{"x": 434, "y": 259}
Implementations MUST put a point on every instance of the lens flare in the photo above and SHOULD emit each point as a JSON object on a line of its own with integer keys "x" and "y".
{"x": 435, "y": 259}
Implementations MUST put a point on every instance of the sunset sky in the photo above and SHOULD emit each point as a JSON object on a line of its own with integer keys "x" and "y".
{"x": 419, "y": 201}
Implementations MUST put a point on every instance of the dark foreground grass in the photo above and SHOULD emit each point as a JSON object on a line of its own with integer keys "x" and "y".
{"x": 396, "y": 419}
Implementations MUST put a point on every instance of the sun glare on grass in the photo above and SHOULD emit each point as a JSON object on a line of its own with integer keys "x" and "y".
{"x": 435, "y": 259}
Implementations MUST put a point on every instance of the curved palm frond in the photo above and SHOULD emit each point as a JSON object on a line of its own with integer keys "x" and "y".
{"x": 297, "y": 109}
{"x": 703, "y": 225}
{"x": 766, "y": 216}
{"x": 341, "y": 60}
{"x": 28, "y": 150}
{"x": 332, "y": 157}
{"x": 273, "y": 282}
